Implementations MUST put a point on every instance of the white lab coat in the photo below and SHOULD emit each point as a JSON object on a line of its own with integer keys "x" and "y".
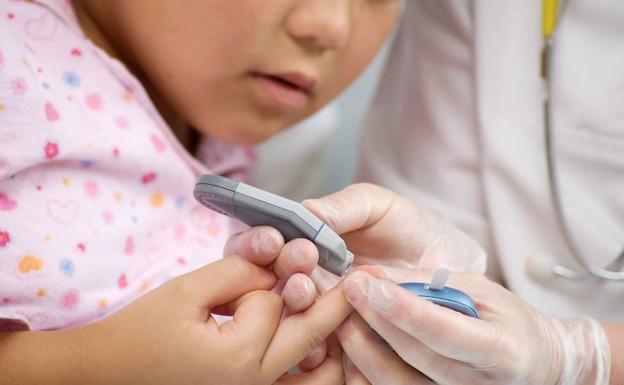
{"x": 457, "y": 123}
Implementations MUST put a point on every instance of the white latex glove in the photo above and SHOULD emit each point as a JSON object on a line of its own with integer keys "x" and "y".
{"x": 511, "y": 343}
{"x": 384, "y": 228}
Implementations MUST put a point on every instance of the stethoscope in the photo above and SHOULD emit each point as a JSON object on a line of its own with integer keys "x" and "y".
{"x": 610, "y": 272}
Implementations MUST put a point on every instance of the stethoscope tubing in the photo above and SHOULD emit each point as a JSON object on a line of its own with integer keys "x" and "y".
{"x": 611, "y": 271}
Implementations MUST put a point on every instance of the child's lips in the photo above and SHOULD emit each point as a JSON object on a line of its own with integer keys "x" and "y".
{"x": 306, "y": 83}
{"x": 289, "y": 91}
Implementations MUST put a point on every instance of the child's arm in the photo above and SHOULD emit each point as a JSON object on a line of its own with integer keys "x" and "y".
{"x": 168, "y": 337}
{"x": 55, "y": 357}
{"x": 41, "y": 357}
{"x": 150, "y": 336}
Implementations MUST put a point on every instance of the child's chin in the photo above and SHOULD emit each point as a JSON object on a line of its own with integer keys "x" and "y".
{"x": 246, "y": 129}
{"x": 246, "y": 136}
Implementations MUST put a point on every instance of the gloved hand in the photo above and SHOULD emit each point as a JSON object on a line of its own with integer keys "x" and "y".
{"x": 511, "y": 343}
{"x": 385, "y": 228}
{"x": 382, "y": 227}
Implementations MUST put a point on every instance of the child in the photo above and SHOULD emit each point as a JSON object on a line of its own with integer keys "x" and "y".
{"x": 97, "y": 98}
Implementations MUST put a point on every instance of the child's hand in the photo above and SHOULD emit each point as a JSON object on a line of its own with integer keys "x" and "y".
{"x": 169, "y": 337}
{"x": 292, "y": 262}
{"x": 173, "y": 340}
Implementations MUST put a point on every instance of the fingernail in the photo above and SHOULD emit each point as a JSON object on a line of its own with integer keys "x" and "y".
{"x": 294, "y": 255}
{"x": 318, "y": 351}
{"x": 264, "y": 243}
{"x": 355, "y": 286}
{"x": 303, "y": 287}
{"x": 380, "y": 298}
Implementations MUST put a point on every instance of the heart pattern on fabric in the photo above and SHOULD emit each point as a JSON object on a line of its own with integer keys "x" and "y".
{"x": 6, "y": 203}
{"x": 63, "y": 213}
{"x": 91, "y": 188}
{"x": 42, "y": 28}
{"x": 122, "y": 282}
{"x": 51, "y": 113}
{"x": 129, "y": 246}
{"x": 29, "y": 264}
{"x": 159, "y": 145}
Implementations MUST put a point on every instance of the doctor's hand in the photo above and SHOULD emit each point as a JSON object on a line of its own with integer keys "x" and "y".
{"x": 511, "y": 343}
{"x": 382, "y": 227}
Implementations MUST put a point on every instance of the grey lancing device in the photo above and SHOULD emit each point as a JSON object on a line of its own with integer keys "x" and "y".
{"x": 257, "y": 207}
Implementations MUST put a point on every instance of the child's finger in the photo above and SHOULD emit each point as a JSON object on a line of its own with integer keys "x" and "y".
{"x": 229, "y": 308}
{"x": 255, "y": 320}
{"x": 299, "y": 293}
{"x": 297, "y": 256}
{"x": 299, "y": 334}
{"x": 221, "y": 282}
{"x": 330, "y": 371}
{"x": 259, "y": 245}
{"x": 315, "y": 358}
{"x": 331, "y": 346}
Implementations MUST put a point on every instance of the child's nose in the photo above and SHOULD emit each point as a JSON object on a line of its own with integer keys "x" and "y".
{"x": 324, "y": 24}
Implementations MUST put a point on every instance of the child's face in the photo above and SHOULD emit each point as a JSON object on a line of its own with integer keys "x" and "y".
{"x": 241, "y": 70}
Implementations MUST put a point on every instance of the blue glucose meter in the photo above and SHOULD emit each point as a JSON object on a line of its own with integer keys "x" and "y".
{"x": 447, "y": 297}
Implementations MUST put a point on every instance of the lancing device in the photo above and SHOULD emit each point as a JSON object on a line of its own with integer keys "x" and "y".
{"x": 257, "y": 207}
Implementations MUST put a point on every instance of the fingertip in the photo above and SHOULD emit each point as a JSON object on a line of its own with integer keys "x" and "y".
{"x": 259, "y": 245}
{"x": 355, "y": 286}
{"x": 297, "y": 256}
{"x": 322, "y": 209}
{"x": 381, "y": 297}
{"x": 266, "y": 243}
{"x": 315, "y": 359}
{"x": 358, "y": 274}
{"x": 303, "y": 256}
{"x": 299, "y": 293}
{"x": 375, "y": 271}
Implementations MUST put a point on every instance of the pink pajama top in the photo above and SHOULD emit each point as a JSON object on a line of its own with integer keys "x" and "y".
{"x": 96, "y": 203}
